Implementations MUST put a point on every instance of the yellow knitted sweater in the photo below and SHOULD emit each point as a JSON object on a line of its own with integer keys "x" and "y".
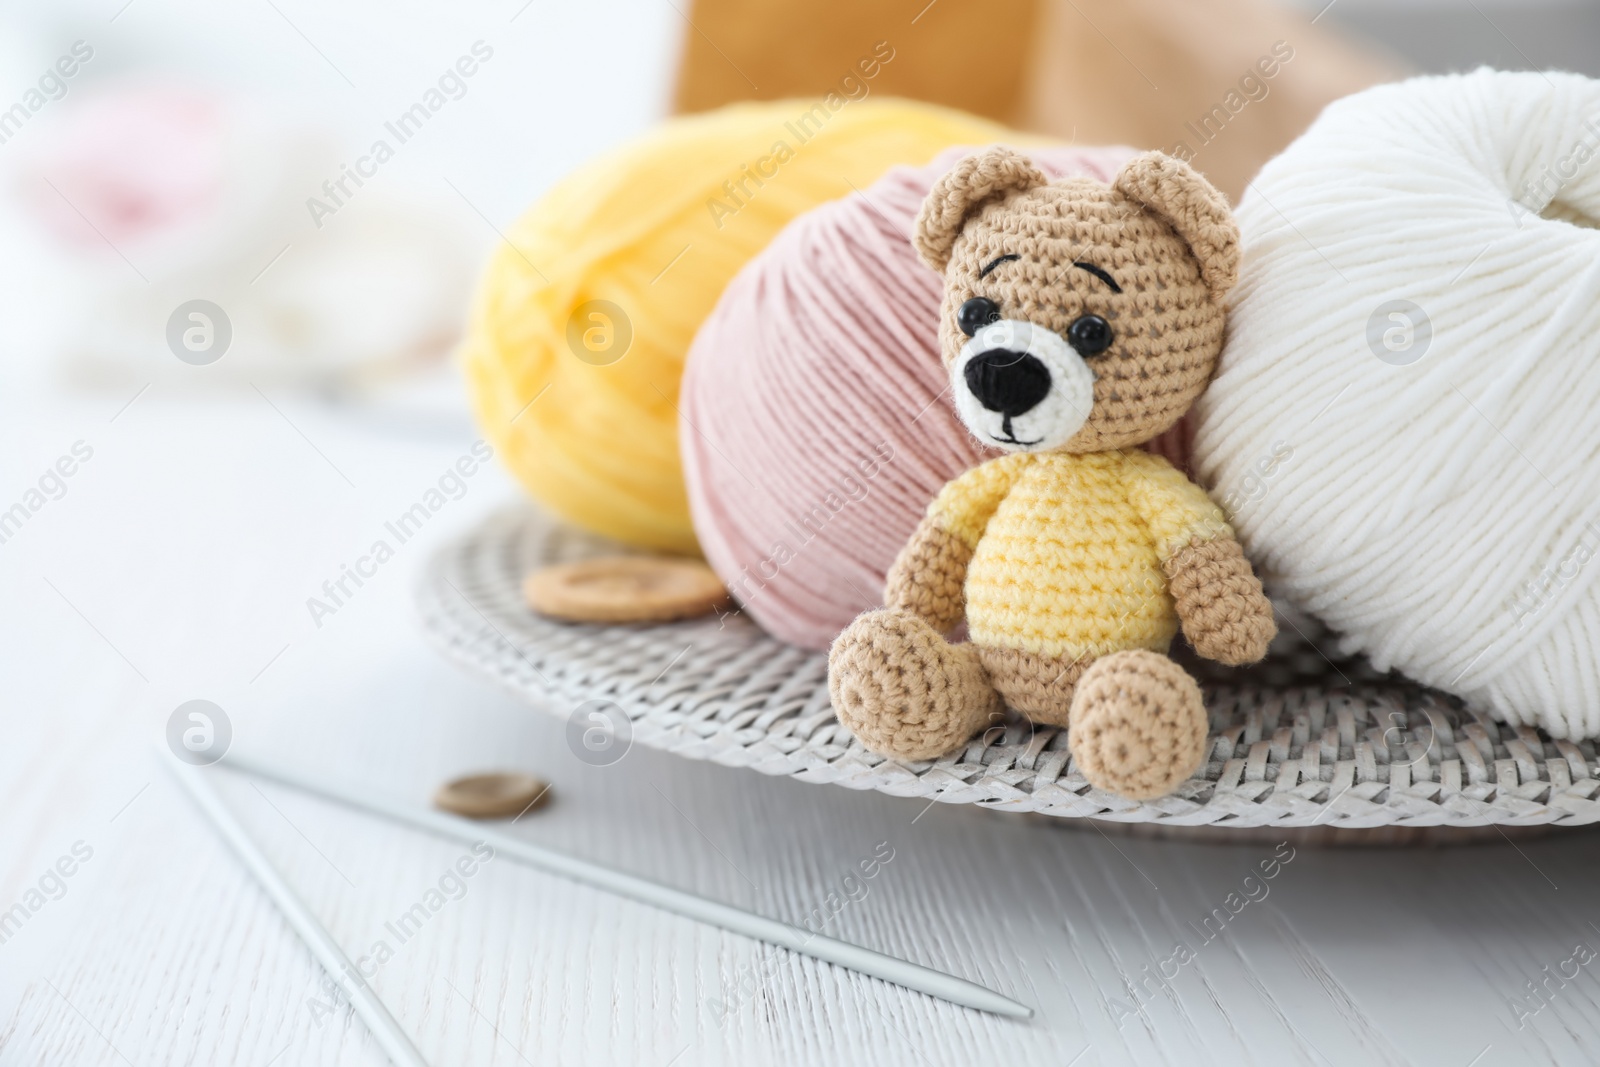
{"x": 1068, "y": 548}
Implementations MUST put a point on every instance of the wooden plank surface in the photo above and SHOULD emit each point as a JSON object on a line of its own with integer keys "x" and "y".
{"x": 178, "y": 565}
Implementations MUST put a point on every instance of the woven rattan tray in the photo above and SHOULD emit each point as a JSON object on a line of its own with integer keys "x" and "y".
{"x": 1300, "y": 740}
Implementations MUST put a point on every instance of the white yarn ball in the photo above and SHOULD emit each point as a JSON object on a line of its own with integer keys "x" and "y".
{"x": 1427, "y": 481}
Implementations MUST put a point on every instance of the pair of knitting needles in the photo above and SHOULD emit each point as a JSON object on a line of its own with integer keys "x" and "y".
{"x": 383, "y": 1025}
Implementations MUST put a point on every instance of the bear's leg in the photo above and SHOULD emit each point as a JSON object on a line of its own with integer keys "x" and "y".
{"x": 904, "y": 690}
{"x": 1038, "y": 686}
{"x": 1138, "y": 724}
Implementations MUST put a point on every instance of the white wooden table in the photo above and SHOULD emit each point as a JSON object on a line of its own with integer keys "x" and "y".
{"x": 177, "y": 566}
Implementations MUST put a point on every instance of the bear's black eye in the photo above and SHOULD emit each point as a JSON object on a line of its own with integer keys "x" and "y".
{"x": 977, "y": 313}
{"x": 1089, "y": 335}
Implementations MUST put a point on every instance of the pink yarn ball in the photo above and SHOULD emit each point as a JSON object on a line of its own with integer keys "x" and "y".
{"x": 814, "y": 430}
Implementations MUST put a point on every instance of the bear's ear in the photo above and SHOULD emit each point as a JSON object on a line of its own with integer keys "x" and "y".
{"x": 969, "y": 185}
{"x": 1193, "y": 206}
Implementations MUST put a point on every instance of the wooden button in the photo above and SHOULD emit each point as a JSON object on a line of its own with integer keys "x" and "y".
{"x": 625, "y": 589}
{"x": 496, "y": 795}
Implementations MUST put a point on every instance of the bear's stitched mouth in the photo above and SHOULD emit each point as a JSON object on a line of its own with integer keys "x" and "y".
{"x": 1009, "y": 439}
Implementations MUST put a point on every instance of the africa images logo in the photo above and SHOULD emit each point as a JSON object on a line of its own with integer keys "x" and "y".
{"x": 451, "y": 85}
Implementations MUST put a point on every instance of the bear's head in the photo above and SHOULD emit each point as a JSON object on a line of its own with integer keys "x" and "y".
{"x": 1077, "y": 316}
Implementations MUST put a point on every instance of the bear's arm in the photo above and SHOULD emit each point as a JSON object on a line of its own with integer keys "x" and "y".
{"x": 1224, "y": 613}
{"x": 930, "y": 573}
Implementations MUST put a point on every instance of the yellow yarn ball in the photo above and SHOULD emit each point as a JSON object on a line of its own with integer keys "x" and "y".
{"x": 657, "y": 228}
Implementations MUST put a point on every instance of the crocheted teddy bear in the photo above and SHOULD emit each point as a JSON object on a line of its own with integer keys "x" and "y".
{"x": 1079, "y": 321}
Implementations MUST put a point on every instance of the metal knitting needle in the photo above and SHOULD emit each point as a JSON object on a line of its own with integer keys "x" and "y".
{"x": 715, "y": 913}
{"x": 367, "y": 1004}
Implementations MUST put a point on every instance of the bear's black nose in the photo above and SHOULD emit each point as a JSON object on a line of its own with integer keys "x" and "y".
{"x": 1007, "y": 382}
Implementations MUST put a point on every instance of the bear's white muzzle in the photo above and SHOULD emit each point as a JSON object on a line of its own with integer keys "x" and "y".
{"x": 1021, "y": 387}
